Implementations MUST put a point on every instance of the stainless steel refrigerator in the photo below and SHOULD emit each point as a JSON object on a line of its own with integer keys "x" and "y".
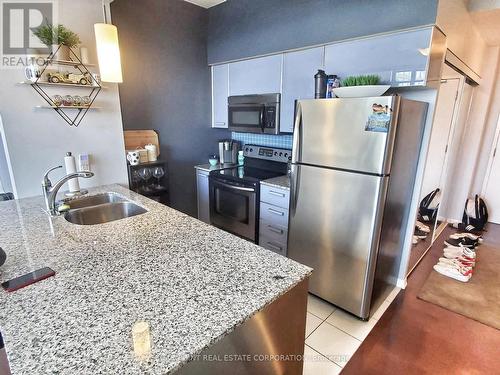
{"x": 353, "y": 173}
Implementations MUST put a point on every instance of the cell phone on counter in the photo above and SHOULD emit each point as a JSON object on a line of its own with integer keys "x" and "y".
{"x": 28, "y": 279}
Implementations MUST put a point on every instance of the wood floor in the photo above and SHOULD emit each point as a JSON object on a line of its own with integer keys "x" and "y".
{"x": 417, "y": 337}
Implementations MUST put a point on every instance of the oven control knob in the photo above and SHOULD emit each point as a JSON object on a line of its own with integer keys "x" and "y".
{"x": 275, "y": 153}
{"x": 251, "y": 150}
{"x": 246, "y": 149}
{"x": 286, "y": 155}
{"x": 281, "y": 154}
{"x": 289, "y": 158}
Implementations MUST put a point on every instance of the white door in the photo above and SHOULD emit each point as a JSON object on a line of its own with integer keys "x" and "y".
{"x": 458, "y": 182}
{"x": 440, "y": 136}
{"x": 492, "y": 182}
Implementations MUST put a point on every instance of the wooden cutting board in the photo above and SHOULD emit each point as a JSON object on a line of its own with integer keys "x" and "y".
{"x": 135, "y": 139}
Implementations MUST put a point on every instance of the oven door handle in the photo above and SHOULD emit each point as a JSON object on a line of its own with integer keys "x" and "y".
{"x": 233, "y": 187}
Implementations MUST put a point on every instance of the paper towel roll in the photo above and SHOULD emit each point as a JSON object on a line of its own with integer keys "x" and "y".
{"x": 70, "y": 164}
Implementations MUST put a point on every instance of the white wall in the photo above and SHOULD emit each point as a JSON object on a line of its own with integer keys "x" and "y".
{"x": 462, "y": 37}
{"x": 5, "y": 184}
{"x": 38, "y": 138}
{"x": 490, "y": 121}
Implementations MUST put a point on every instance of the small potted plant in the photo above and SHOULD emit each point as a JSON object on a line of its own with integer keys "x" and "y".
{"x": 59, "y": 38}
{"x": 360, "y": 86}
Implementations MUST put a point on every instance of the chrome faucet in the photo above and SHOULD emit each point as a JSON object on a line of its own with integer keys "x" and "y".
{"x": 50, "y": 193}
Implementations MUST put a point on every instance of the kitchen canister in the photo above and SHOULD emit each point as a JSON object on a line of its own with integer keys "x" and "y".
{"x": 143, "y": 155}
{"x": 152, "y": 152}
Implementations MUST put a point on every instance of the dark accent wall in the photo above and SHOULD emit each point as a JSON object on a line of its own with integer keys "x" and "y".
{"x": 243, "y": 28}
{"x": 166, "y": 85}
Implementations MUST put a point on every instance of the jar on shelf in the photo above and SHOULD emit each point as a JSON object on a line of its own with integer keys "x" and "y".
{"x": 68, "y": 100}
{"x": 77, "y": 101}
{"x": 57, "y": 99}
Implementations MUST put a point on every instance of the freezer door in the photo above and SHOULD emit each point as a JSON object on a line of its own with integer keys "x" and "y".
{"x": 353, "y": 133}
{"x": 335, "y": 220}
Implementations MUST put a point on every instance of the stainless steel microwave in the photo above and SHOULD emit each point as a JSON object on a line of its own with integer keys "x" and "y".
{"x": 254, "y": 113}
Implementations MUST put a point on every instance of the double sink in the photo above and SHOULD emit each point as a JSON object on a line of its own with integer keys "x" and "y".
{"x": 101, "y": 208}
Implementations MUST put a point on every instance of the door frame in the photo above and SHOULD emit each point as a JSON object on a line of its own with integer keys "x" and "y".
{"x": 491, "y": 158}
{"x": 437, "y": 229}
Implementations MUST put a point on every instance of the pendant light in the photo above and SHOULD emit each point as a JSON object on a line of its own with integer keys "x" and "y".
{"x": 108, "y": 50}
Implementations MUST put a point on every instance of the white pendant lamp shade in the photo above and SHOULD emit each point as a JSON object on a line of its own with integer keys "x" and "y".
{"x": 108, "y": 52}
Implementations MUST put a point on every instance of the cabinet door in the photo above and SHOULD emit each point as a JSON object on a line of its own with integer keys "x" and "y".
{"x": 203, "y": 196}
{"x": 219, "y": 95}
{"x": 299, "y": 69}
{"x": 399, "y": 59}
{"x": 256, "y": 76}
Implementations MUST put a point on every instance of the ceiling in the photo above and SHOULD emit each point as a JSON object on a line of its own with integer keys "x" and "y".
{"x": 205, "y": 3}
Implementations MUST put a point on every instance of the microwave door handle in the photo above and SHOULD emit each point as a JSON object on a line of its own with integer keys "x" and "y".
{"x": 261, "y": 117}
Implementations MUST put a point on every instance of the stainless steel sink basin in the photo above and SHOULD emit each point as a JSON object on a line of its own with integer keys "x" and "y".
{"x": 103, "y": 213}
{"x": 95, "y": 200}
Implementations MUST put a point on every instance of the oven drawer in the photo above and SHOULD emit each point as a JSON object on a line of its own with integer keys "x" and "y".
{"x": 273, "y": 245}
{"x": 273, "y": 231}
{"x": 273, "y": 214}
{"x": 275, "y": 196}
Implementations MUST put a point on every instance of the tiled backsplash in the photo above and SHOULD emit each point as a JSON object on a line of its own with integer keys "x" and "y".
{"x": 280, "y": 141}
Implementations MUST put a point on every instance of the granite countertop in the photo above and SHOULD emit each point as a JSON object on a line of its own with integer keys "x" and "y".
{"x": 209, "y": 168}
{"x": 282, "y": 182}
{"x": 192, "y": 283}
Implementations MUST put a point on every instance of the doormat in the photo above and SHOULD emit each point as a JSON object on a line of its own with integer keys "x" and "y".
{"x": 479, "y": 298}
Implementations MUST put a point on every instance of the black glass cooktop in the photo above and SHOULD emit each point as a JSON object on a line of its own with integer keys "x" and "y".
{"x": 245, "y": 173}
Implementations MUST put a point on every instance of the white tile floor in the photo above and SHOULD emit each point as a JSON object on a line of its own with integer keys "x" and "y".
{"x": 332, "y": 335}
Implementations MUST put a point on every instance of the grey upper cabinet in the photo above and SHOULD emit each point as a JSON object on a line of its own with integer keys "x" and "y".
{"x": 256, "y": 76}
{"x": 299, "y": 69}
{"x": 400, "y": 59}
{"x": 220, "y": 82}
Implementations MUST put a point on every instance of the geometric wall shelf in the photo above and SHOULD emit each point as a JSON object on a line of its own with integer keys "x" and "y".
{"x": 81, "y": 78}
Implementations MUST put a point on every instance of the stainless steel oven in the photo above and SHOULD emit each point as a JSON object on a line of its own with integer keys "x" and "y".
{"x": 254, "y": 113}
{"x": 235, "y": 192}
{"x": 234, "y": 206}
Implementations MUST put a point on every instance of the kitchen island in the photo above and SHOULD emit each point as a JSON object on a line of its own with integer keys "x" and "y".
{"x": 198, "y": 288}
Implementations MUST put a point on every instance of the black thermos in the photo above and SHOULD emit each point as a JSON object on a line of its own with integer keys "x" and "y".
{"x": 320, "y": 84}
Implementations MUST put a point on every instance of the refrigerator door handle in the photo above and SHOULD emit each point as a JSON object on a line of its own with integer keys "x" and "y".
{"x": 294, "y": 187}
{"x": 297, "y": 134}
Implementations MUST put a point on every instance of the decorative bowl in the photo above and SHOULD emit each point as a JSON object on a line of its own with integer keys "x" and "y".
{"x": 360, "y": 91}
